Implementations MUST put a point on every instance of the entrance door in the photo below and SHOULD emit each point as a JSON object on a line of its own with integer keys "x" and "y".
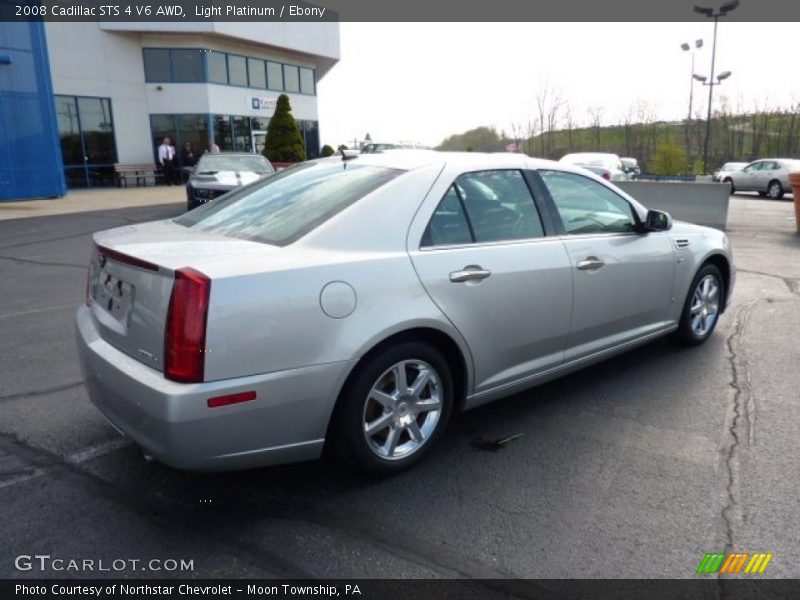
{"x": 258, "y": 138}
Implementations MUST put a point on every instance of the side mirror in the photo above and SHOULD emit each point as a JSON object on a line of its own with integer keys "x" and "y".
{"x": 657, "y": 220}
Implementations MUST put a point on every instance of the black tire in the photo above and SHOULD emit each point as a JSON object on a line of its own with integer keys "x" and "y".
{"x": 349, "y": 441}
{"x": 686, "y": 334}
{"x": 762, "y": 194}
{"x": 775, "y": 190}
{"x": 729, "y": 181}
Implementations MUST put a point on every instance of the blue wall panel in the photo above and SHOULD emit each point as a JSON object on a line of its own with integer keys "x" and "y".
{"x": 30, "y": 151}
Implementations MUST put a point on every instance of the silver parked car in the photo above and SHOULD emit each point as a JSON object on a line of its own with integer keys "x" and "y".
{"x": 768, "y": 176}
{"x": 218, "y": 174}
{"x": 725, "y": 170}
{"x": 354, "y": 304}
{"x": 606, "y": 165}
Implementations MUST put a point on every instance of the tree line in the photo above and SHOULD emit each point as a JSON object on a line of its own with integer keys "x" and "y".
{"x": 661, "y": 147}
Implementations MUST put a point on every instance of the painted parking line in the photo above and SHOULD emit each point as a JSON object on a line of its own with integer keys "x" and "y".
{"x": 86, "y": 454}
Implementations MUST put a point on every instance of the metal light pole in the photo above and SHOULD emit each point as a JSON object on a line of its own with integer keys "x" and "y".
{"x": 716, "y": 14}
{"x": 686, "y": 47}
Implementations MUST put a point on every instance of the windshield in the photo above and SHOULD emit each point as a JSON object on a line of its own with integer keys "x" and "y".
{"x": 212, "y": 163}
{"x": 281, "y": 209}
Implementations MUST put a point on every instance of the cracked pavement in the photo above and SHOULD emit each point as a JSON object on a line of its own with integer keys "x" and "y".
{"x": 663, "y": 451}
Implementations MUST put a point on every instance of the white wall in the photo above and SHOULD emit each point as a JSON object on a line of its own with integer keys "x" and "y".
{"x": 87, "y": 61}
{"x": 105, "y": 60}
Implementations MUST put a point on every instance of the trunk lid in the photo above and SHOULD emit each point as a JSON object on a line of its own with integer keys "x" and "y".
{"x": 131, "y": 275}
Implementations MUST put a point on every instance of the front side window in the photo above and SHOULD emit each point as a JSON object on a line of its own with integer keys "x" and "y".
{"x": 485, "y": 206}
{"x": 586, "y": 206}
{"x": 282, "y": 208}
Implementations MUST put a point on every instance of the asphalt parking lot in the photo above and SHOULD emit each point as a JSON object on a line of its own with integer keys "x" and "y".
{"x": 633, "y": 468}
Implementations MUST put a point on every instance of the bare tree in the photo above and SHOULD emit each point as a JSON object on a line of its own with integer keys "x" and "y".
{"x": 595, "y": 119}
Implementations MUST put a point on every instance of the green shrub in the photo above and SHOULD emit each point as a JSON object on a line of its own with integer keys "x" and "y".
{"x": 284, "y": 141}
{"x": 327, "y": 151}
{"x": 669, "y": 159}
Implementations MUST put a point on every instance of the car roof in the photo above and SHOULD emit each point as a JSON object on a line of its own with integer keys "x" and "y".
{"x": 415, "y": 159}
{"x": 233, "y": 154}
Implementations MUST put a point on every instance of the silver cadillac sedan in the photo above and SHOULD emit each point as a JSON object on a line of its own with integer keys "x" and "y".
{"x": 352, "y": 305}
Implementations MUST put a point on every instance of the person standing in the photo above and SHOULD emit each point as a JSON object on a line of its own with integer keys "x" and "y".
{"x": 166, "y": 157}
{"x": 188, "y": 159}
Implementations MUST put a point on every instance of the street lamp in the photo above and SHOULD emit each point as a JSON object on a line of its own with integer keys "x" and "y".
{"x": 723, "y": 10}
{"x": 686, "y": 48}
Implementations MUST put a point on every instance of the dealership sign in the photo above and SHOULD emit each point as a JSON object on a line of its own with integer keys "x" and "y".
{"x": 263, "y": 103}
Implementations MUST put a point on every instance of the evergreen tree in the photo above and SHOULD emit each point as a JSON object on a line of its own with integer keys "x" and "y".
{"x": 284, "y": 141}
{"x": 327, "y": 151}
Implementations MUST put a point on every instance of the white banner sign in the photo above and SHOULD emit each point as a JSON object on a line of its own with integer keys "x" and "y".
{"x": 263, "y": 103}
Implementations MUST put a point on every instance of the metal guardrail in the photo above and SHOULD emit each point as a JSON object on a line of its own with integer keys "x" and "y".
{"x": 646, "y": 177}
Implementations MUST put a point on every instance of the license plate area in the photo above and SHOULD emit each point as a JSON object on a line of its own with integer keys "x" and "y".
{"x": 113, "y": 295}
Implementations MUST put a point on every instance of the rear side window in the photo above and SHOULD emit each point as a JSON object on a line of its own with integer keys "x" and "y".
{"x": 284, "y": 207}
{"x": 485, "y": 206}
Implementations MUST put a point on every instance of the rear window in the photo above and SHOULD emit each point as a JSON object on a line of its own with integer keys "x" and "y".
{"x": 283, "y": 208}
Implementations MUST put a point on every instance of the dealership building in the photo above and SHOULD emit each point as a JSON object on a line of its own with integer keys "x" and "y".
{"x": 78, "y": 98}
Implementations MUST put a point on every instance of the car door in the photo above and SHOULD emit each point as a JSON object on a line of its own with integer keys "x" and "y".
{"x": 747, "y": 179}
{"x": 485, "y": 260}
{"x": 623, "y": 279}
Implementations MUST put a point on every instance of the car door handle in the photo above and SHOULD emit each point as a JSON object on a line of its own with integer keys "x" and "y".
{"x": 590, "y": 263}
{"x": 470, "y": 273}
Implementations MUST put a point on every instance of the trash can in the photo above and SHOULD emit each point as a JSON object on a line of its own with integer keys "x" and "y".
{"x": 794, "y": 180}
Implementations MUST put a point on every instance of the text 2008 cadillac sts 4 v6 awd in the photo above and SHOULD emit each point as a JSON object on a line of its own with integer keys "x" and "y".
{"x": 355, "y": 303}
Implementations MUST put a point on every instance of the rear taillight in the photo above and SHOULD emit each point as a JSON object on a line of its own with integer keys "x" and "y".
{"x": 606, "y": 175}
{"x": 185, "y": 333}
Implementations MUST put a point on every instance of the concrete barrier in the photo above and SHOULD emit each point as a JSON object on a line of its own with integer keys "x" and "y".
{"x": 701, "y": 203}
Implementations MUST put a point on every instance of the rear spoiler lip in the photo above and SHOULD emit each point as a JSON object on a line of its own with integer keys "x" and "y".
{"x": 120, "y": 257}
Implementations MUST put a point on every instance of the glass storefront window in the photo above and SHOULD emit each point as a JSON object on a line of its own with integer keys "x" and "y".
{"x": 157, "y": 65}
{"x": 192, "y": 129}
{"x": 259, "y": 123}
{"x": 187, "y": 65}
{"x": 237, "y": 70}
{"x": 241, "y": 134}
{"x": 98, "y": 130}
{"x": 256, "y": 73}
{"x": 306, "y": 81}
{"x": 88, "y": 145}
{"x": 222, "y": 132}
{"x": 291, "y": 78}
{"x": 162, "y": 126}
{"x": 275, "y": 76}
{"x": 310, "y": 130}
{"x": 69, "y": 130}
{"x": 217, "y": 67}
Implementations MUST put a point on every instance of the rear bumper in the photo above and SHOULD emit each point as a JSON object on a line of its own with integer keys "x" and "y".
{"x": 171, "y": 421}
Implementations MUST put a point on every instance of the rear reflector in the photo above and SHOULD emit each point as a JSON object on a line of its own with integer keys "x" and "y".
{"x": 232, "y": 399}
{"x": 185, "y": 332}
{"x": 125, "y": 259}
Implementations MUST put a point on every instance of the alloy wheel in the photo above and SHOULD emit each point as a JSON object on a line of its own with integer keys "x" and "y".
{"x": 705, "y": 305}
{"x": 402, "y": 409}
{"x": 774, "y": 190}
